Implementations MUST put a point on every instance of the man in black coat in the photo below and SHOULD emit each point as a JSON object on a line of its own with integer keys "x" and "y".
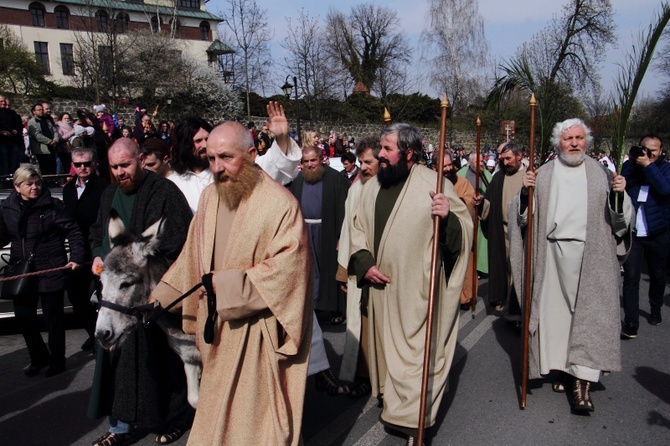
{"x": 322, "y": 192}
{"x": 506, "y": 183}
{"x": 142, "y": 383}
{"x": 81, "y": 196}
{"x": 9, "y": 133}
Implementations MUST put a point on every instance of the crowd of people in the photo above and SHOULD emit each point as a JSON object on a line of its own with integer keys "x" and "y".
{"x": 282, "y": 236}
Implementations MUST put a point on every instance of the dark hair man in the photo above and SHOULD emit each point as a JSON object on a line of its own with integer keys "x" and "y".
{"x": 506, "y": 183}
{"x": 356, "y": 355}
{"x": 43, "y": 139}
{"x": 155, "y": 156}
{"x": 391, "y": 250}
{"x": 350, "y": 172}
{"x": 648, "y": 184}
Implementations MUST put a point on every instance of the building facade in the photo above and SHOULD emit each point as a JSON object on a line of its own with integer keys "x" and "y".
{"x": 52, "y": 28}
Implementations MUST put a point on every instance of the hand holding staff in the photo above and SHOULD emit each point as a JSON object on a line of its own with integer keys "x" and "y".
{"x": 528, "y": 291}
{"x": 434, "y": 276}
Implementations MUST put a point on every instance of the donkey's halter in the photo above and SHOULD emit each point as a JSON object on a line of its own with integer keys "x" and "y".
{"x": 137, "y": 311}
{"x": 153, "y": 311}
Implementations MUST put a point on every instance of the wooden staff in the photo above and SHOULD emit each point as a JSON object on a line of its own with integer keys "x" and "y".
{"x": 387, "y": 117}
{"x": 434, "y": 276}
{"x": 475, "y": 282}
{"x": 528, "y": 288}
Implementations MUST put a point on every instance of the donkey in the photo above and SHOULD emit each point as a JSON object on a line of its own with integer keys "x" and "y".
{"x": 131, "y": 271}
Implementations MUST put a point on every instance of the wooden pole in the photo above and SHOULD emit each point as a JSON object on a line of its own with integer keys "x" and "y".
{"x": 475, "y": 282}
{"x": 434, "y": 276}
{"x": 528, "y": 286}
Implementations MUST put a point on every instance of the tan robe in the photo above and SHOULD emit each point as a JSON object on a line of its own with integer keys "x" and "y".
{"x": 253, "y": 379}
{"x": 398, "y": 311}
{"x": 466, "y": 193}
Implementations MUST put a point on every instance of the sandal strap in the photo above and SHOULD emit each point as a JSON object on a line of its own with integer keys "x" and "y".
{"x": 170, "y": 436}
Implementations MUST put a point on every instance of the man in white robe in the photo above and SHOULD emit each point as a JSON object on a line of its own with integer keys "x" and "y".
{"x": 574, "y": 321}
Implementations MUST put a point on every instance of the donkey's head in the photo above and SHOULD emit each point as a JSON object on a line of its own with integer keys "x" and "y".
{"x": 131, "y": 270}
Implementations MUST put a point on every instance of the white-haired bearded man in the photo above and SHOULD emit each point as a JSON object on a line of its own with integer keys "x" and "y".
{"x": 249, "y": 233}
{"x": 581, "y": 214}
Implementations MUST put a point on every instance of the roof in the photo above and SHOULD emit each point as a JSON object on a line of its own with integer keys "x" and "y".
{"x": 143, "y": 7}
{"x": 218, "y": 47}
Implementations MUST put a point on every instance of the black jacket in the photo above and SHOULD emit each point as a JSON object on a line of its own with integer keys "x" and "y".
{"x": 47, "y": 217}
{"x": 84, "y": 210}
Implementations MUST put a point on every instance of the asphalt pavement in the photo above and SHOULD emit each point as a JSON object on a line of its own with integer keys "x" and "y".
{"x": 481, "y": 407}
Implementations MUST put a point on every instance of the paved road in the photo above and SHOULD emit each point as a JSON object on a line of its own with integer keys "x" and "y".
{"x": 481, "y": 408}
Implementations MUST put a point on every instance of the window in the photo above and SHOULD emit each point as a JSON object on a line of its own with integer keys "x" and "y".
{"x": 67, "y": 59}
{"x": 62, "y": 17}
{"x": 102, "y": 19}
{"x": 155, "y": 24}
{"x": 191, "y": 4}
{"x": 42, "y": 56}
{"x": 106, "y": 58}
{"x": 37, "y": 12}
{"x": 204, "y": 30}
{"x": 121, "y": 23}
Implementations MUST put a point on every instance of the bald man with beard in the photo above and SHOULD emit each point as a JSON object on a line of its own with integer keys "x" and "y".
{"x": 249, "y": 233}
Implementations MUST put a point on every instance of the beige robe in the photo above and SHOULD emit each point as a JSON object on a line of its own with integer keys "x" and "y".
{"x": 253, "y": 379}
{"x": 398, "y": 311}
{"x": 352, "y": 341}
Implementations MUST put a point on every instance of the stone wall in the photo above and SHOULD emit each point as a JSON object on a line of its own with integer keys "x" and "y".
{"x": 456, "y": 139}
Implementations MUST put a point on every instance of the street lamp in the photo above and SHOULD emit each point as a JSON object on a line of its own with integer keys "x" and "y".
{"x": 287, "y": 88}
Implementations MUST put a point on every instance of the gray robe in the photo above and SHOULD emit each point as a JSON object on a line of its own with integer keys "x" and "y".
{"x": 594, "y": 340}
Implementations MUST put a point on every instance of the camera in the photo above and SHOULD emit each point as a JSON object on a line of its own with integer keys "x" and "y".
{"x": 637, "y": 151}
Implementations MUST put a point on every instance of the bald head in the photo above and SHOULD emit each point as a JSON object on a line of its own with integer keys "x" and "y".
{"x": 233, "y": 134}
{"x": 124, "y": 144}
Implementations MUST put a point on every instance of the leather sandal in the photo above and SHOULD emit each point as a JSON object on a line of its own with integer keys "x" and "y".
{"x": 325, "y": 380}
{"x": 558, "y": 385}
{"x": 582, "y": 396}
{"x": 360, "y": 389}
{"x": 110, "y": 439}
{"x": 170, "y": 436}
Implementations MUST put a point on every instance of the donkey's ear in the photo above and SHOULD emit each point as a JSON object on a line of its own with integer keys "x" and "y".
{"x": 115, "y": 227}
{"x": 151, "y": 236}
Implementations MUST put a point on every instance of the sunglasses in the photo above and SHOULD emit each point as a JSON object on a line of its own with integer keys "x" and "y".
{"x": 83, "y": 163}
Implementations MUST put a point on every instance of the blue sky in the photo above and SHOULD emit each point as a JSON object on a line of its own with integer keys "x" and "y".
{"x": 507, "y": 24}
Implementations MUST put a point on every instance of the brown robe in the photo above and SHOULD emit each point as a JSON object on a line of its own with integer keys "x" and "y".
{"x": 253, "y": 379}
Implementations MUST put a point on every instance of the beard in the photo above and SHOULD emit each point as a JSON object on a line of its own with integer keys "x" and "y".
{"x": 510, "y": 169}
{"x": 451, "y": 176}
{"x": 199, "y": 164}
{"x": 390, "y": 175}
{"x": 572, "y": 160}
{"x": 233, "y": 190}
{"x": 313, "y": 176}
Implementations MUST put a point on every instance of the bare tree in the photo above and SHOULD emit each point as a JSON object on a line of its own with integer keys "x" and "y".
{"x": 100, "y": 46}
{"x": 456, "y": 49}
{"x": 572, "y": 46}
{"x": 250, "y": 34}
{"x": 366, "y": 41}
{"x": 563, "y": 56}
{"x": 307, "y": 59}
